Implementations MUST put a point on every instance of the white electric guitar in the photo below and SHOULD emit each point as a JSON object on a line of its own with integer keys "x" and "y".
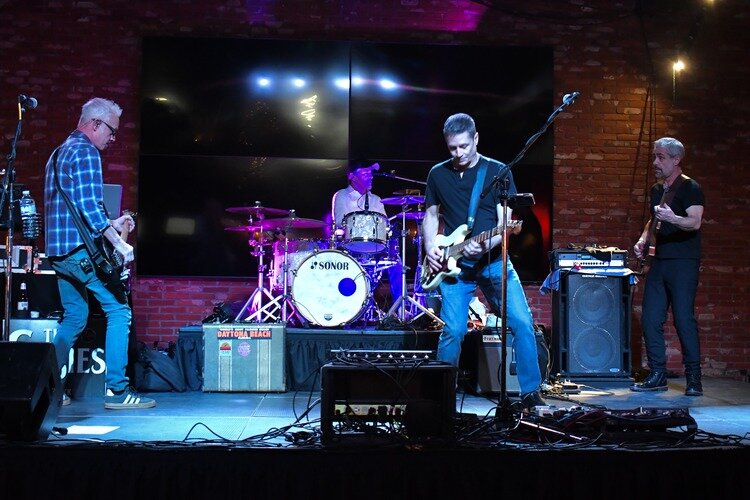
{"x": 452, "y": 247}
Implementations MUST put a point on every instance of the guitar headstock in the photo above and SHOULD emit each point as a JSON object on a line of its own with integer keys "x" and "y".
{"x": 132, "y": 214}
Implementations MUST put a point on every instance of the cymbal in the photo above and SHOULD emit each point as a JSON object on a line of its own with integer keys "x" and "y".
{"x": 282, "y": 223}
{"x": 409, "y": 216}
{"x": 257, "y": 211}
{"x": 403, "y": 200}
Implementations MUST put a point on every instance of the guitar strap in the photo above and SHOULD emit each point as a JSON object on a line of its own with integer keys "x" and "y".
{"x": 100, "y": 261}
{"x": 474, "y": 202}
{"x": 669, "y": 193}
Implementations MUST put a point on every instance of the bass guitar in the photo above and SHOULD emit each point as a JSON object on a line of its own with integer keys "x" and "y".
{"x": 452, "y": 246}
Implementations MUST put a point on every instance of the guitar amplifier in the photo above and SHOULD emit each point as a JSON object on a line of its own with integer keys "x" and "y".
{"x": 589, "y": 257}
{"x": 244, "y": 357}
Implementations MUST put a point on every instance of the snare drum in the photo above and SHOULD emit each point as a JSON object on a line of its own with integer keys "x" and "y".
{"x": 365, "y": 232}
{"x": 330, "y": 288}
{"x": 299, "y": 250}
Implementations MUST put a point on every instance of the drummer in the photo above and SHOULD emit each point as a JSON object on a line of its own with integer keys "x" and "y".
{"x": 358, "y": 197}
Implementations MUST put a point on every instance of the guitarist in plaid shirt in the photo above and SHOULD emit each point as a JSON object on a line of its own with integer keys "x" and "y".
{"x": 79, "y": 170}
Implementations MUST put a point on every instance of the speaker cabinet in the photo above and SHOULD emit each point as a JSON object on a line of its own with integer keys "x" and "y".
{"x": 30, "y": 391}
{"x": 591, "y": 325}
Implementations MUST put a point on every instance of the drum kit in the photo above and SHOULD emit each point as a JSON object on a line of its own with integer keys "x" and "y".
{"x": 326, "y": 282}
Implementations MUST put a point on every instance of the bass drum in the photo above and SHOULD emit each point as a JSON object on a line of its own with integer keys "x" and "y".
{"x": 330, "y": 288}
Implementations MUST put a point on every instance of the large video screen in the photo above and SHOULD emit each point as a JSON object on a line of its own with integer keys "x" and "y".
{"x": 228, "y": 123}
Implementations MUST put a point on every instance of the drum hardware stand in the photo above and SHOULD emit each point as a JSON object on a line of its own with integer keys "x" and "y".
{"x": 259, "y": 312}
{"x": 405, "y": 299}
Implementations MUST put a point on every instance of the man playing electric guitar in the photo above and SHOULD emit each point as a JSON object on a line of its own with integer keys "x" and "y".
{"x": 74, "y": 171}
{"x": 450, "y": 186}
{"x": 673, "y": 276}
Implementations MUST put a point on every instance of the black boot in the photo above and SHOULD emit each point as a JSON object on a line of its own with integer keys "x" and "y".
{"x": 656, "y": 381}
{"x": 693, "y": 386}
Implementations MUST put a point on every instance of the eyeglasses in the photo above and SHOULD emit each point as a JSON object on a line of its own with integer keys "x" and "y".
{"x": 112, "y": 131}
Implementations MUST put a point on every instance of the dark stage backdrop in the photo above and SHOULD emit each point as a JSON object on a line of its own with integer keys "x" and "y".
{"x": 226, "y": 123}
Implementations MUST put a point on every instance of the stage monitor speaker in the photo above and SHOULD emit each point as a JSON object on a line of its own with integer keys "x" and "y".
{"x": 30, "y": 390}
{"x": 382, "y": 402}
{"x": 481, "y": 357}
{"x": 591, "y": 325}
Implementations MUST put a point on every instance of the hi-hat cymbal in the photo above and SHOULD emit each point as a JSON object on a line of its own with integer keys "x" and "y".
{"x": 408, "y": 216}
{"x": 282, "y": 223}
{"x": 403, "y": 200}
{"x": 257, "y": 211}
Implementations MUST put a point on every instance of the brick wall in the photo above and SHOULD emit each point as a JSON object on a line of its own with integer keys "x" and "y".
{"x": 65, "y": 52}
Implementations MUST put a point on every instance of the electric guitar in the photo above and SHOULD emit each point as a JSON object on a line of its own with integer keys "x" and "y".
{"x": 650, "y": 246}
{"x": 116, "y": 278}
{"x": 654, "y": 225}
{"x": 452, "y": 247}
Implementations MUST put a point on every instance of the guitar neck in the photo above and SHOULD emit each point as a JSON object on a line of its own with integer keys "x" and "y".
{"x": 481, "y": 237}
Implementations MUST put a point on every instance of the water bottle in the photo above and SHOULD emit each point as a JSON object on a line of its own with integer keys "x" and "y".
{"x": 30, "y": 219}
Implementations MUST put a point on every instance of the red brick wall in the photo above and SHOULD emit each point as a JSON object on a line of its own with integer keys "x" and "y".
{"x": 66, "y": 52}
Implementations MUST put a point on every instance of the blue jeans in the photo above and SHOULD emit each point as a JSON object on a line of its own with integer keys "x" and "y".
{"x": 671, "y": 282}
{"x": 457, "y": 294}
{"x": 72, "y": 282}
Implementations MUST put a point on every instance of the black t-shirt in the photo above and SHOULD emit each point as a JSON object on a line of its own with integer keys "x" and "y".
{"x": 447, "y": 188}
{"x": 671, "y": 241}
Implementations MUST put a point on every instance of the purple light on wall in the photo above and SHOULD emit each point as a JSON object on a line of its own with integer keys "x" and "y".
{"x": 463, "y": 15}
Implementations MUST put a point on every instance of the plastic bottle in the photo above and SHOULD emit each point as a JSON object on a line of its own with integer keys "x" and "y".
{"x": 29, "y": 216}
{"x": 28, "y": 207}
{"x": 22, "y": 306}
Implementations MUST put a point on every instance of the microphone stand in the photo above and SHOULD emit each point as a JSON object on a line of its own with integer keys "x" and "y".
{"x": 567, "y": 101}
{"x": 503, "y": 412}
{"x": 8, "y": 181}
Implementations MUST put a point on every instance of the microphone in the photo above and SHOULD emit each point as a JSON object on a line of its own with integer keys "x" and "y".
{"x": 384, "y": 174}
{"x": 27, "y": 102}
{"x": 568, "y": 99}
{"x": 367, "y": 200}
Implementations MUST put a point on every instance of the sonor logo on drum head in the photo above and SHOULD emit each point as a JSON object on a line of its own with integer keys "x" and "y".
{"x": 329, "y": 265}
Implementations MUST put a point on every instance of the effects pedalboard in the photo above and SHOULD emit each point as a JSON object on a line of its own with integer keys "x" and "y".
{"x": 380, "y": 356}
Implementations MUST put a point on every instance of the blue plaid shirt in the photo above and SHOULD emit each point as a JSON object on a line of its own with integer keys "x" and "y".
{"x": 80, "y": 173}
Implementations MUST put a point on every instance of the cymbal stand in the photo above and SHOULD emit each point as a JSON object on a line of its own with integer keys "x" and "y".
{"x": 260, "y": 312}
{"x": 418, "y": 292}
{"x": 400, "y": 305}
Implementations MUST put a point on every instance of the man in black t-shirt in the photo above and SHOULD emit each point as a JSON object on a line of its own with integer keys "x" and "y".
{"x": 449, "y": 190}
{"x": 673, "y": 275}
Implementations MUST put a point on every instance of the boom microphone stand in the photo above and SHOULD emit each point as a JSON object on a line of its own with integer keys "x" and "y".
{"x": 24, "y": 103}
{"x": 503, "y": 412}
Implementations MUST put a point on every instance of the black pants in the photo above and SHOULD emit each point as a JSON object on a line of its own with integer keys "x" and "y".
{"x": 671, "y": 282}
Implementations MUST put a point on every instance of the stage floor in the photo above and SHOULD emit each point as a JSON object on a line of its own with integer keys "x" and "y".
{"x": 257, "y": 417}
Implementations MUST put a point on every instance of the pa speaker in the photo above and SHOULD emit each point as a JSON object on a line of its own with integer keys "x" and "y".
{"x": 591, "y": 325}
{"x": 30, "y": 391}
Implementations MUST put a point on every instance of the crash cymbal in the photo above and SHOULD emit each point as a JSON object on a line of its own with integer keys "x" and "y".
{"x": 258, "y": 211}
{"x": 289, "y": 223}
{"x": 403, "y": 200}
